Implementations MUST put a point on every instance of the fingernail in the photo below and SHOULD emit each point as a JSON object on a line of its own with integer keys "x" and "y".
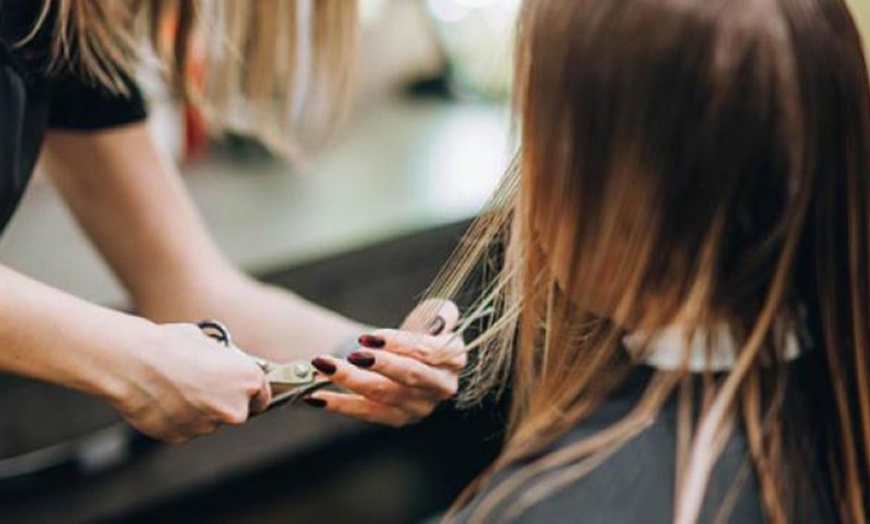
{"x": 436, "y": 325}
{"x": 314, "y": 402}
{"x": 361, "y": 359}
{"x": 371, "y": 341}
{"x": 324, "y": 366}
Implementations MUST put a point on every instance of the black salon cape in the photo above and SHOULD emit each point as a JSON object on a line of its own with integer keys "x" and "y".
{"x": 635, "y": 485}
{"x": 32, "y": 100}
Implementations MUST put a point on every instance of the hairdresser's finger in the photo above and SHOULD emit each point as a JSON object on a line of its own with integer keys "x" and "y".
{"x": 457, "y": 354}
{"x": 360, "y": 408}
{"x": 446, "y": 351}
{"x": 435, "y": 383}
{"x": 374, "y": 386}
{"x": 261, "y": 399}
{"x": 449, "y": 353}
{"x": 433, "y": 316}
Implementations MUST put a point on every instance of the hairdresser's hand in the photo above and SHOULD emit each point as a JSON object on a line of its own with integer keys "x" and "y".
{"x": 179, "y": 384}
{"x": 398, "y": 377}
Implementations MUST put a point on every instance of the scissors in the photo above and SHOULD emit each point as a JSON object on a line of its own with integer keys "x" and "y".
{"x": 289, "y": 382}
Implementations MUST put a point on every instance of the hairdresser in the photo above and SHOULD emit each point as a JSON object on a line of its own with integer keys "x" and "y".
{"x": 68, "y": 98}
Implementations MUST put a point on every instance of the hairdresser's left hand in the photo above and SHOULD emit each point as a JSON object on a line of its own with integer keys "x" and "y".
{"x": 397, "y": 377}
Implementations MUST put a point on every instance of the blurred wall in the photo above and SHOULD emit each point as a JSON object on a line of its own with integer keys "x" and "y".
{"x": 861, "y": 10}
{"x": 398, "y": 46}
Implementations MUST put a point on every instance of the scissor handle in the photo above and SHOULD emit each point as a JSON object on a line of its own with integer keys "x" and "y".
{"x": 288, "y": 381}
{"x": 216, "y": 330}
{"x": 220, "y": 333}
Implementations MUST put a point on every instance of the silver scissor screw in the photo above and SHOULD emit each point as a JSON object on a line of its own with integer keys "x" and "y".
{"x": 302, "y": 370}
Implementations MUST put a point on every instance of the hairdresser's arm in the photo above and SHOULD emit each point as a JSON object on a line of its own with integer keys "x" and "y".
{"x": 134, "y": 207}
{"x": 153, "y": 374}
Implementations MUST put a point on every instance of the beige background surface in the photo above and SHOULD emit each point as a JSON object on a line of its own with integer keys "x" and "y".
{"x": 861, "y": 9}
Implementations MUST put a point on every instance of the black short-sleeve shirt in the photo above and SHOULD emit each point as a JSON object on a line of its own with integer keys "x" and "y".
{"x": 33, "y": 100}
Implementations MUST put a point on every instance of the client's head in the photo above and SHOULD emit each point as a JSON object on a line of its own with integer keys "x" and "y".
{"x": 691, "y": 162}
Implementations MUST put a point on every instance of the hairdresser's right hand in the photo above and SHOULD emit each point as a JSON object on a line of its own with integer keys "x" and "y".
{"x": 179, "y": 384}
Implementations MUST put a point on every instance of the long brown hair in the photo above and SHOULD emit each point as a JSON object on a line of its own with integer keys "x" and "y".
{"x": 693, "y": 162}
{"x": 250, "y": 78}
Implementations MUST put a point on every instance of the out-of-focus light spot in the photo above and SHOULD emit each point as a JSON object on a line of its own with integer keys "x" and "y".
{"x": 477, "y": 36}
{"x": 370, "y": 10}
{"x": 450, "y": 11}
{"x": 511, "y": 7}
{"x": 475, "y": 3}
{"x": 467, "y": 157}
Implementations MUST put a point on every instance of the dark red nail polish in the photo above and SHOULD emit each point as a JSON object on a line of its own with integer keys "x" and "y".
{"x": 372, "y": 341}
{"x": 437, "y": 325}
{"x": 361, "y": 359}
{"x": 314, "y": 402}
{"x": 324, "y": 366}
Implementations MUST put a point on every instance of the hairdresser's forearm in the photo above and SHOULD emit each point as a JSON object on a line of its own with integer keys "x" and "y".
{"x": 49, "y": 335}
{"x": 135, "y": 208}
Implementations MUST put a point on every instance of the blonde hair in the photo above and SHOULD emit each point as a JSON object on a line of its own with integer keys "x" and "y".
{"x": 698, "y": 162}
{"x": 250, "y": 76}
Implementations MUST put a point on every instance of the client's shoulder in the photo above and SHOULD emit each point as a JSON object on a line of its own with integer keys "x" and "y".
{"x": 632, "y": 482}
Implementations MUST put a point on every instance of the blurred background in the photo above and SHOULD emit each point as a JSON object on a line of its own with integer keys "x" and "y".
{"x": 426, "y": 144}
{"x": 362, "y": 227}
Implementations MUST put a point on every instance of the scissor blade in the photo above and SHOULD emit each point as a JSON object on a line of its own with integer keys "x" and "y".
{"x": 292, "y": 395}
